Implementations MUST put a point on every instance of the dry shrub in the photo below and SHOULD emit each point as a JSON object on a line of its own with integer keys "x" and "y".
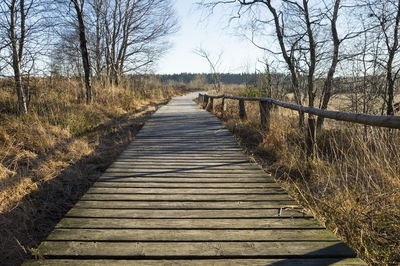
{"x": 359, "y": 186}
{"x": 5, "y": 173}
{"x": 49, "y": 157}
{"x": 275, "y": 142}
{"x": 353, "y": 186}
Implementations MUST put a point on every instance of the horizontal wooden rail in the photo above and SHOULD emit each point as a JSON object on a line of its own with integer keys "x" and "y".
{"x": 389, "y": 121}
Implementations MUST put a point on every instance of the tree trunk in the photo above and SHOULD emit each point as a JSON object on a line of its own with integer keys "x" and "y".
{"x": 288, "y": 60}
{"x": 311, "y": 137}
{"x": 17, "y": 51}
{"x": 335, "y": 58}
{"x": 311, "y": 133}
{"x": 22, "y": 106}
{"x": 390, "y": 92}
{"x": 84, "y": 52}
{"x": 392, "y": 52}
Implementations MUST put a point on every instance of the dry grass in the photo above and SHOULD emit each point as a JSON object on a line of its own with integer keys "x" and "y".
{"x": 353, "y": 187}
{"x": 50, "y": 157}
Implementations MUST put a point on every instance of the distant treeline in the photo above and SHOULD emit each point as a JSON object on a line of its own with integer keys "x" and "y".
{"x": 226, "y": 78}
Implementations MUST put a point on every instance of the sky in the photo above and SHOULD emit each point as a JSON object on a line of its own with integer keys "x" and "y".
{"x": 212, "y": 34}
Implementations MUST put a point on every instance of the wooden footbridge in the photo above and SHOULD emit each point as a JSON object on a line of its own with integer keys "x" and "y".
{"x": 184, "y": 193}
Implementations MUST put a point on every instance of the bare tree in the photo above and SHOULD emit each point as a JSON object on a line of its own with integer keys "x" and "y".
{"x": 119, "y": 36}
{"x": 327, "y": 89}
{"x": 302, "y": 22}
{"x": 17, "y": 44}
{"x": 286, "y": 53}
{"x": 68, "y": 51}
{"x": 97, "y": 38}
{"x": 367, "y": 78}
{"x": 14, "y": 14}
{"x": 134, "y": 33}
{"x": 295, "y": 25}
{"x": 265, "y": 80}
{"x": 79, "y": 9}
{"x": 386, "y": 15}
{"x": 257, "y": 19}
{"x": 21, "y": 41}
{"x": 214, "y": 64}
{"x": 68, "y": 22}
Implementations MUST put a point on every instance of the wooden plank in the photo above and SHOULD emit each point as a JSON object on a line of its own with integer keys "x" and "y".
{"x": 249, "y": 223}
{"x": 178, "y": 133}
{"x": 187, "y": 151}
{"x": 202, "y": 214}
{"x": 185, "y": 190}
{"x": 217, "y": 180}
{"x": 188, "y": 143}
{"x": 211, "y": 145}
{"x": 227, "y": 156}
{"x": 181, "y": 142}
{"x": 219, "y": 262}
{"x": 199, "y": 156}
{"x": 140, "y": 235}
{"x": 186, "y": 204}
{"x": 161, "y": 146}
{"x": 194, "y": 249}
{"x": 193, "y": 155}
{"x": 189, "y": 162}
{"x": 163, "y": 167}
{"x": 180, "y": 158}
{"x": 146, "y": 136}
{"x": 182, "y": 174}
{"x": 199, "y": 134}
{"x": 185, "y": 197}
{"x": 185, "y": 185}
{"x": 193, "y": 169}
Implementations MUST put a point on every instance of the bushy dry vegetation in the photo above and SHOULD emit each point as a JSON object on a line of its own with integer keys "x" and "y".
{"x": 49, "y": 157}
{"x": 352, "y": 186}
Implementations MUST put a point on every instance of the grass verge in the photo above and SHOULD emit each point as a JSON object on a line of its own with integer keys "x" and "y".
{"x": 50, "y": 157}
{"x": 352, "y": 187}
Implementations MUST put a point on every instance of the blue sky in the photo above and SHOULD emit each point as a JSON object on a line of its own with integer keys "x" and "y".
{"x": 213, "y": 35}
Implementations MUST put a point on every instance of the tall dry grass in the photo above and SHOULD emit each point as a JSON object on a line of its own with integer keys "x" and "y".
{"x": 353, "y": 186}
{"x": 49, "y": 157}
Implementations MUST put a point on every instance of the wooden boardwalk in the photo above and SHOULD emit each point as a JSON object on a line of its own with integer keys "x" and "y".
{"x": 184, "y": 193}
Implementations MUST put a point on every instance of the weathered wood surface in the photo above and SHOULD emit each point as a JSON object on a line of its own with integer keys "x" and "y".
{"x": 186, "y": 197}
{"x": 184, "y": 193}
{"x": 389, "y": 121}
{"x": 183, "y": 185}
{"x": 139, "y": 235}
{"x": 189, "y": 223}
{"x": 183, "y": 205}
{"x": 225, "y": 262}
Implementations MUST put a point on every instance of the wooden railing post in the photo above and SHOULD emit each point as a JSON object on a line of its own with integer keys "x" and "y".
{"x": 311, "y": 137}
{"x": 205, "y": 101}
{"x": 210, "y": 105}
{"x": 265, "y": 115}
{"x": 223, "y": 106}
{"x": 242, "y": 109}
{"x": 201, "y": 98}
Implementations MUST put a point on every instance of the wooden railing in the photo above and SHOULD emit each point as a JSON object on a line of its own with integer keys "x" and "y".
{"x": 389, "y": 121}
